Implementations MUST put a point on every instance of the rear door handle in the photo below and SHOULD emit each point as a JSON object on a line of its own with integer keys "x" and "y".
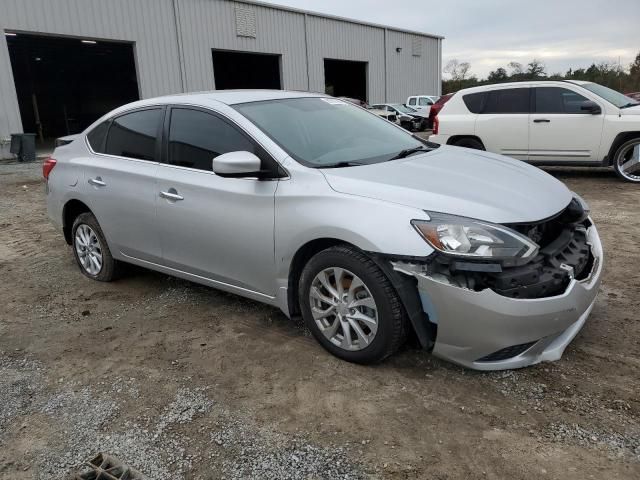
{"x": 172, "y": 195}
{"x": 542, "y": 120}
{"x": 97, "y": 182}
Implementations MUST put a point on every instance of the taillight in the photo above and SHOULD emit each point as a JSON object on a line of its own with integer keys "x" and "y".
{"x": 436, "y": 125}
{"x": 47, "y": 166}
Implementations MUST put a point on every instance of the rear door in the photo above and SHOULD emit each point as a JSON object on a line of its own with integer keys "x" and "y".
{"x": 120, "y": 180}
{"x": 560, "y": 130}
{"x": 503, "y": 122}
{"x": 214, "y": 227}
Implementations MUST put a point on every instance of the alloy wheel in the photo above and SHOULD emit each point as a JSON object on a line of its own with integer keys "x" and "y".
{"x": 89, "y": 250}
{"x": 628, "y": 162}
{"x": 343, "y": 308}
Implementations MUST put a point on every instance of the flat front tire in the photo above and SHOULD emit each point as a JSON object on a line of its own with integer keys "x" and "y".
{"x": 350, "y": 306}
{"x": 91, "y": 251}
{"x": 626, "y": 160}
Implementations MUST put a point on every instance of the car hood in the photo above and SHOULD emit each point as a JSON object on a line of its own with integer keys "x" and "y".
{"x": 419, "y": 114}
{"x": 630, "y": 110}
{"x": 459, "y": 181}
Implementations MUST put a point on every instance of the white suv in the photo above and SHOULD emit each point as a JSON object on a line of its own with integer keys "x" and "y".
{"x": 546, "y": 123}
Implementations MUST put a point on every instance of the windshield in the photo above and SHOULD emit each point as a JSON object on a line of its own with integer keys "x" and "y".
{"x": 611, "y": 96}
{"x": 320, "y": 132}
{"x": 402, "y": 109}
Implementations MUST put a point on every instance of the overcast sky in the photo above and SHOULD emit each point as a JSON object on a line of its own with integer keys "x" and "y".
{"x": 491, "y": 33}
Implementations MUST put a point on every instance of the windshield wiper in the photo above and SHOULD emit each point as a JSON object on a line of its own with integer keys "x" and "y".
{"x": 630, "y": 104}
{"x": 341, "y": 165}
{"x": 409, "y": 151}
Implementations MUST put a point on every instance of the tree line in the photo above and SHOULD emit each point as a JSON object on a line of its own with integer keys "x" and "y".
{"x": 612, "y": 75}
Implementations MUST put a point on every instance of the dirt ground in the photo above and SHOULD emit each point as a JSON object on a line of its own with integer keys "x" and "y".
{"x": 185, "y": 382}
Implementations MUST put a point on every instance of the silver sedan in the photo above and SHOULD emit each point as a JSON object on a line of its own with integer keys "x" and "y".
{"x": 318, "y": 207}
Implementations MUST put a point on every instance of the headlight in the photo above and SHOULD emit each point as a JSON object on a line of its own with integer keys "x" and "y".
{"x": 470, "y": 238}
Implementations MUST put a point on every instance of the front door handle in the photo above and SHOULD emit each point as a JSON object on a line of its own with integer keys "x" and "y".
{"x": 542, "y": 120}
{"x": 171, "y": 195}
{"x": 97, "y": 182}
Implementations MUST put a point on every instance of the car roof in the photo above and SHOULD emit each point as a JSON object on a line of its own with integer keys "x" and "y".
{"x": 228, "y": 97}
{"x": 524, "y": 83}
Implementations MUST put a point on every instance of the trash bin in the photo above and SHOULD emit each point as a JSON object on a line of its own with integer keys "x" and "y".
{"x": 23, "y": 145}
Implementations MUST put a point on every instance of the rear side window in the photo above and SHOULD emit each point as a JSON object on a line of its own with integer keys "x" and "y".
{"x": 558, "y": 100}
{"x": 196, "y": 138}
{"x": 97, "y": 136}
{"x": 134, "y": 135}
{"x": 412, "y": 101}
{"x": 508, "y": 100}
{"x": 475, "y": 101}
{"x": 423, "y": 102}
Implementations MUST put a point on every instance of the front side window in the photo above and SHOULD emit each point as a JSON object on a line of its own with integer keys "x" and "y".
{"x": 97, "y": 137}
{"x": 412, "y": 101}
{"x": 320, "y": 132}
{"x": 508, "y": 100}
{"x": 558, "y": 100}
{"x": 196, "y": 138}
{"x": 423, "y": 102}
{"x": 134, "y": 135}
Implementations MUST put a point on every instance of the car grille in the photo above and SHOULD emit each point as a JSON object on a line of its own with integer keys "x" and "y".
{"x": 564, "y": 254}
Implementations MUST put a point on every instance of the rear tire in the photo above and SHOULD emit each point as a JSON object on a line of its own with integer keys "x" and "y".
{"x": 91, "y": 251}
{"x": 361, "y": 290}
{"x": 469, "y": 143}
{"x": 626, "y": 153}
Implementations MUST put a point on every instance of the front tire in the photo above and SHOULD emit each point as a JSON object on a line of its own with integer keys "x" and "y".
{"x": 626, "y": 160}
{"x": 91, "y": 251}
{"x": 350, "y": 306}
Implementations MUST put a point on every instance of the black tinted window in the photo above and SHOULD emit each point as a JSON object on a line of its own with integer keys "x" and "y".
{"x": 508, "y": 100}
{"x": 97, "y": 136}
{"x": 196, "y": 138}
{"x": 134, "y": 135}
{"x": 558, "y": 100}
{"x": 475, "y": 101}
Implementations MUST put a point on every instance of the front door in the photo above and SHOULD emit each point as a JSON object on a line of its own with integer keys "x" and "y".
{"x": 214, "y": 227}
{"x": 560, "y": 130}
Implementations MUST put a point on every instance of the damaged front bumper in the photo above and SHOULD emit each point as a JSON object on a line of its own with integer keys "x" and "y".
{"x": 483, "y": 330}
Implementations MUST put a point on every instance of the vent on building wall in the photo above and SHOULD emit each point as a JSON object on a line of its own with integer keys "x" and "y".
{"x": 416, "y": 47}
{"x": 245, "y": 21}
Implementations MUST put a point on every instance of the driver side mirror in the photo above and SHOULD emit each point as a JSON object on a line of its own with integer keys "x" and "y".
{"x": 237, "y": 165}
{"x": 590, "y": 107}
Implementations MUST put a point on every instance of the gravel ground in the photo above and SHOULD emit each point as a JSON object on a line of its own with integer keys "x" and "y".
{"x": 185, "y": 382}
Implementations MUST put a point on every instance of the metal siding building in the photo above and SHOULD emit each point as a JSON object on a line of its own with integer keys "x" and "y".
{"x": 173, "y": 40}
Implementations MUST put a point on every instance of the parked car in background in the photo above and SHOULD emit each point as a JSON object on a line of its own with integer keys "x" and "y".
{"x": 421, "y": 103}
{"x": 436, "y": 107}
{"x": 547, "y": 123}
{"x": 317, "y": 207}
{"x": 634, "y": 95}
{"x": 384, "y": 113}
{"x": 408, "y": 118}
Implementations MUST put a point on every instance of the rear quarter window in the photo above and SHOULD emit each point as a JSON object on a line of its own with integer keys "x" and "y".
{"x": 475, "y": 101}
{"x": 97, "y": 137}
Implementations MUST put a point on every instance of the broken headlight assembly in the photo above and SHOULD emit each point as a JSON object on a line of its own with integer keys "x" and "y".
{"x": 474, "y": 239}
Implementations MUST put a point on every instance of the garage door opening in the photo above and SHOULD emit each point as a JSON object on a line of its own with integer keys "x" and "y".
{"x": 343, "y": 78}
{"x": 246, "y": 70}
{"x": 65, "y": 84}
